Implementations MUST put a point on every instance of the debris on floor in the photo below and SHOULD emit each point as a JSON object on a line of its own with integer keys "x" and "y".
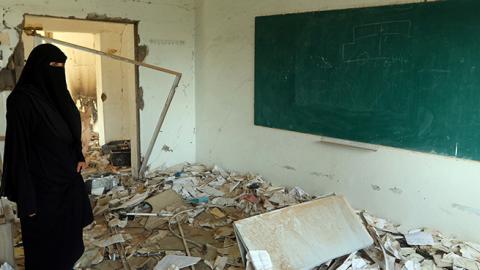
{"x": 119, "y": 153}
{"x": 113, "y": 157}
{"x": 329, "y": 229}
{"x": 6, "y": 266}
{"x": 184, "y": 216}
{"x": 172, "y": 262}
{"x": 7, "y": 219}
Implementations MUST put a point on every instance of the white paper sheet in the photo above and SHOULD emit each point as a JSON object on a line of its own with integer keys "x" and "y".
{"x": 6, "y": 266}
{"x": 419, "y": 238}
{"x": 211, "y": 191}
{"x": 117, "y": 238}
{"x": 178, "y": 261}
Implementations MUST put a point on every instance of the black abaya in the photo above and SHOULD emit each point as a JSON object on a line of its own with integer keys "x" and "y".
{"x": 42, "y": 150}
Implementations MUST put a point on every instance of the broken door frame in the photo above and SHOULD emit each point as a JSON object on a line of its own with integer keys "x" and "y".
{"x": 144, "y": 163}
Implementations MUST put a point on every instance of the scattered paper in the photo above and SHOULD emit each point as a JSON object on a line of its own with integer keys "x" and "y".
{"x": 233, "y": 186}
{"x": 176, "y": 261}
{"x": 224, "y": 201}
{"x": 98, "y": 191}
{"x": 185, "y": 187}
{"x": 348, "y": 262}
{"x": 393, "y": 246}
{"x": 223, "y": 232}
{"x": 218, "y": 170}
{"x": 217, "y": 183}
{"x": 220, "y": 263}
{"x": 156, "y": 237}
{"x": 90, "y": 257}
{"x": 117, "y": 238}
{"x": 282, "y": 199}
{"x": 299, "y": 193}
{"x": 6, "y": 266}
{"x": 358, "y": 263}
{"x": 470, "y": 251}
{"x": 211, "y": 191}
{"x": 136, "y": 199}
{"x": 428, "y": 265}
{"x": 213, "y": 199}
{"x": 217, "y": 213}
{"x": 464, "y": 263}
{"x": 116, "y": 222}
{"x": 419, "y": 238}
{"x": 411, "y": 265}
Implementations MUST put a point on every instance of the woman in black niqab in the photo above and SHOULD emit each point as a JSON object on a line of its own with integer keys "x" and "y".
{"x": 41, "y": 170}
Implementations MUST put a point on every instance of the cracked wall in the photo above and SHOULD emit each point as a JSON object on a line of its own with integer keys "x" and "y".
{"x": 159, "y": 24}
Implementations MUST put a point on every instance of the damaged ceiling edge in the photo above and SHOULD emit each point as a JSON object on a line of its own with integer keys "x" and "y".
{"x": 10, "y": 70}
{"x": 13, "y": 53}
{"x": 92, "y": 16}
{"x": 13, "y": 37}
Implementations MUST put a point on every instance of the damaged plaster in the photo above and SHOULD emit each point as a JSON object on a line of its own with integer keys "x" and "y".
{"x": 167, "y": 148}
{"x": 11, "y": 72}
{"x": 154, "y": 20}
{"x": 104, "y": 17}
{"x": 10, "y": 30}
{"x": 142, "y": 52}
{"x": 140, "y": 101}
{"x": 467, "y": 209}
{"x": 396, "y": 190}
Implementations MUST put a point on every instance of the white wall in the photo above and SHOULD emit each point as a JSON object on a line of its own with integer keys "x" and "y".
{"x": 115, "y": 85}
{"x": 3, "y": 111}
{"x": 166, "y": 27}
{"x": 80, "y": 67}
{"x": 412, "y": 188}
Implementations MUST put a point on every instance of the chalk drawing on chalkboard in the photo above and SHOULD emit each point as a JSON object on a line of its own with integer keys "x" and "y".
{"x": 324, "y": 64}
{"x": 434, "y": 70}
{"x": 371, "y": 42}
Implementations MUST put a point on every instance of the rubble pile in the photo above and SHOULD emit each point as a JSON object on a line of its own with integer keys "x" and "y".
{"x": 184, "y": 216}
{"x": 419, "y": 249}
{"x": 98, "y": 162}
{"x": 145, "y": 217}
{"x": 187, "y": 211}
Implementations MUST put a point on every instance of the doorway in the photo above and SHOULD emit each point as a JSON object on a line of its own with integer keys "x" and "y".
{"x": 103, "y": 89}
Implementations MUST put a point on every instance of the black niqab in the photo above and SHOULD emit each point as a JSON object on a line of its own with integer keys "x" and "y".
{"x": 42, "y": 150}
{"x": 51, "y": 85}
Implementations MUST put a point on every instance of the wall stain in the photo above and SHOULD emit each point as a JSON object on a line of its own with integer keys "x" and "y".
{"x": 105, "y": 17}
{"x": 140, "y": 101}
{"x": 396, "y": 190}
{"x": 376, "y": 187}
{"x": 319, "y": 174}
{"x": 167, "y": 42}
{"x": 446, "y": 211}
{"x": 287, "y": 167}
{"x": 167, "y": 148}
{"x": 467, "y": 209}
{"x": 143, "y": 2}
{"x": 142, "y": 52}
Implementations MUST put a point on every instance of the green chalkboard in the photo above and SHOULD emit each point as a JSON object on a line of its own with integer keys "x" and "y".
{"x": 405, "y": 76}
